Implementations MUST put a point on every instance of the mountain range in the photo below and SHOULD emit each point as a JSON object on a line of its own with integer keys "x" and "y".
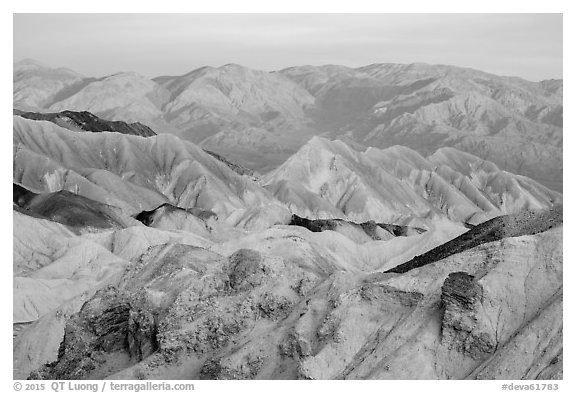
{"x": 260, "y": 118}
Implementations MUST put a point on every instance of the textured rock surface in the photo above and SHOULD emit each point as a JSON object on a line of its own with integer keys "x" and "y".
{"x": 179, "y": 311}
{"x": 462, "y": 323}
{"x": 107, "y": 327}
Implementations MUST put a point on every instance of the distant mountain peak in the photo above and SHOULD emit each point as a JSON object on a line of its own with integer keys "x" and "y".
{"x": 32, "y": 64}
{"x": 233, "y": 66}
{"x": 29, "y": 62}
{"x": 317, "y": 144}
{"x": 125, "y": 74}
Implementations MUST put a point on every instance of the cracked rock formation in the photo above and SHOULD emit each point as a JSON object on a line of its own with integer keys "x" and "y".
{"x": 462, "y": 320}
{"x": 107, "y": 334}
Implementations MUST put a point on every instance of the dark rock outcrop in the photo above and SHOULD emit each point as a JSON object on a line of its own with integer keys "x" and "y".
{"x": 141, "y": 333}
{"x": 462, "y": 328}
{"x": 239, "y": 169}
{"x": 109, "y": 324}
{"x": 525, "y": 223}
{"x": 148, "y": 217}
{"x": 21, "y": 196}
{"x": 67, "y": 208}
{"x": 368, "y": 227}
{"x": 214, "y": 369}
{"x": 170, "y": 217}
{"x": 86, "y": 121}
{"x": 246, "y": 270}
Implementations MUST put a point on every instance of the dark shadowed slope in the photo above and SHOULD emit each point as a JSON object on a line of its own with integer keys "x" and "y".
{"x": 239, "y": 169}
{"x": 170, "y": 217}
{"x": 374, "y": 230}
{"x": 67, "y": 208}
{"x": 86, "y": 121}
{"x": 525, "y": 223}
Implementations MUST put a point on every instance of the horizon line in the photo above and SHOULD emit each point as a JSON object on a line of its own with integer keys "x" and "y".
{"x": 43, "y": 64}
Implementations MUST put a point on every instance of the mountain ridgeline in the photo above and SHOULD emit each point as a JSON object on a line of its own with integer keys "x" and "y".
{"x": 258, "y": 119}
{"x": 86, "y": 121}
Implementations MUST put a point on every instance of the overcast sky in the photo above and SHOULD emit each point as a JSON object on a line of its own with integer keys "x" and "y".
{"x": 525, "y": 45}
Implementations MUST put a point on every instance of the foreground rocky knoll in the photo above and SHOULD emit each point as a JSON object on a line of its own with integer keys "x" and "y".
{"x": 186, "y": 310}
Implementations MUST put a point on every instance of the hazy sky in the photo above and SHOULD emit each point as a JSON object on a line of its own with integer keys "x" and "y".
{"x": 526, "y": 45}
